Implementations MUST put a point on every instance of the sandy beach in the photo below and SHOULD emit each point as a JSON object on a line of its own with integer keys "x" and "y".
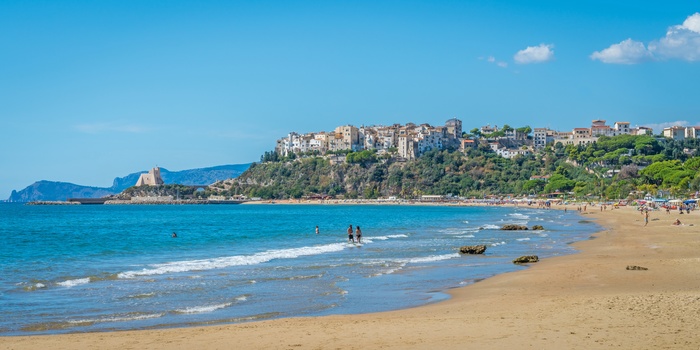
{"x": 588, "y": 300}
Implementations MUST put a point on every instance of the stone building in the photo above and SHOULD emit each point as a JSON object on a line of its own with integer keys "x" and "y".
{"x": 151, "y": 179}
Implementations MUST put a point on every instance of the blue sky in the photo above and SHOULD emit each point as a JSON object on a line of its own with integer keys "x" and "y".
{"x": 91, "y": 90}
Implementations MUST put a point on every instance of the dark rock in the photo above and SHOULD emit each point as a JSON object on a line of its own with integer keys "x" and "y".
{"x": 526, "y": 259}
{"x": 472, "y": 249}
{"x": 635, "y": 267}
{"x": 513, "y": 227}
{"x": 537, "y": 227}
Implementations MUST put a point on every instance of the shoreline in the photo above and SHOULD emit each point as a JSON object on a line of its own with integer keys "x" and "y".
{"x": 583, "y": 300}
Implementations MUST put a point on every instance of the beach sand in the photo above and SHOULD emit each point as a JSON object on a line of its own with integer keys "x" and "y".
{"x": 587, "y": 300}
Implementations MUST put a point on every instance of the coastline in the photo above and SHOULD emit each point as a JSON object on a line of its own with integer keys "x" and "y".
{"x": 583, "y": 300}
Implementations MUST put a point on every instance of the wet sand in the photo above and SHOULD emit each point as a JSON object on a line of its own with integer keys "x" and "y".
{"x": 588, "y": 300}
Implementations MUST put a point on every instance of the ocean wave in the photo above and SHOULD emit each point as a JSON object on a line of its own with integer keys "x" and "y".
{"x": 74, "y": 282}
{"x": 523, "y": 239}
{"x": 461, "y": 231}
{"x": 237, "y": 260}
{"x": 35, "y": 286}
{"x": 388, "y": 271}
{"x": 384, "y": 238}
{"x": 142, "y": 295}
{"x": 498, "y": 243}
{"x": 490, "y": 227}
{"x": 465, "y": 236}
{"x": 432, "y": 258}
{"x": 303, "y": 277}
{"x": 519, "y": 216}
{"x": 202, "y": 309}
{"x": 116, "y": 318}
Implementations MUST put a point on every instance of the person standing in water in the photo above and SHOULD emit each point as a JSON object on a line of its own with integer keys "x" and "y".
{"x": 350, "y": 237}
{"x": 358, "y": 234}
{"x": 317, "y": 229}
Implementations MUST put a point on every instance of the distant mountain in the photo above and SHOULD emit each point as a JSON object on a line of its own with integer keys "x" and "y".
{"x": 60, "y": 191}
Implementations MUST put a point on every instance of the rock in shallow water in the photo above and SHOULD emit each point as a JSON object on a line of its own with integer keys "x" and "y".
{"x": 472, "y": 249}
{"x": 526, "y": 259}
{"x": 513, "y": 227}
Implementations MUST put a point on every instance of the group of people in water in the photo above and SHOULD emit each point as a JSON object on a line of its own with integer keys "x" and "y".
{"x": 358, "y": 235}
{"x": 357, "y": 238}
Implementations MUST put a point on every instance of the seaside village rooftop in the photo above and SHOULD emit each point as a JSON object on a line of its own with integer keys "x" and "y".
{"x": 411, "y": 141}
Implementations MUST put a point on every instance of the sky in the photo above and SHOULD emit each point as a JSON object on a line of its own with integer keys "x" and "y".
{"x": 93, "y": 90}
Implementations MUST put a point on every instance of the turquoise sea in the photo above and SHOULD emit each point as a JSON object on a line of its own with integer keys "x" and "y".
{"x": 111, "y": 267}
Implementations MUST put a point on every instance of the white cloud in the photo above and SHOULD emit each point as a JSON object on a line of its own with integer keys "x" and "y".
{"x": 626, "y": 52}
{"x": 681, "y": 42}
{"x": 96, "y": 128}
{"x": 535, "y": 54}
{"x": 493, "y": 60}
{"x": 661, "y": 126}
{"x": 692, "y": 23}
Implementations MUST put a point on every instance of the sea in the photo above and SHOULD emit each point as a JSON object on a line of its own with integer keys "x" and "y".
{"x": 88, "y": 268}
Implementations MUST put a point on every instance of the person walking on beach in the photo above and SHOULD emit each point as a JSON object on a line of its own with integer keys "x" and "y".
{"x": 358, "y": 234}
{"x": 646, "y": 217}
{"x": 350, "y": 237}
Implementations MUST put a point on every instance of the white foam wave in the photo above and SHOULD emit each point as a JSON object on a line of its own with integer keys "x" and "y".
{"x": 388, "y": 272}
{"x": 519, "y": 216}
{"x": 498, "y": 243}
{"x": 384, "y": 238}
{"x": 242, "y": 298}
{"x": 490, "y": 227}
{"x": 228, "y": 261}
{"x": 74, "y": 282}
{"x": 117, "y": 318}
{"x": 465, "y": 236}
{"x": 203, "y": 309}
{"x": 433, "y": 258}
{"x": 523, "y": 239}
{"x": 459, "y": 231}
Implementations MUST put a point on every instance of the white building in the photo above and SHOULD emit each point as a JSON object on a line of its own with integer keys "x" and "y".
{"x": 675, "y": 132}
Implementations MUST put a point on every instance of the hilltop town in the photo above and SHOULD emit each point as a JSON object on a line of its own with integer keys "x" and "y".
{"x": 411, "y": 141}
{"x": 413, "y": 161}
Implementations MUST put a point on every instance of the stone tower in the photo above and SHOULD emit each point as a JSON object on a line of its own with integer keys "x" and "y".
{"x": 152, "y": 178}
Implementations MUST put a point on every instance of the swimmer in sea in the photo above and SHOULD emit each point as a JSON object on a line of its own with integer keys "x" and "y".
{"x": 350, "y": 237}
